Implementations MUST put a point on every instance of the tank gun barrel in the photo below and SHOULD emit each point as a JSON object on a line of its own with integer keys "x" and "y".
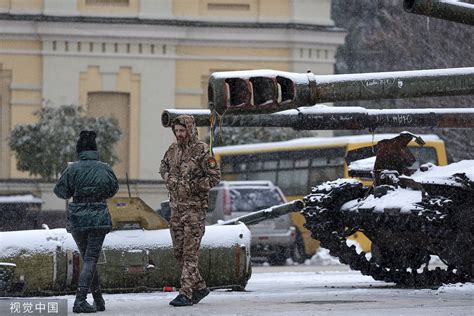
{"x": 323, "y": 117}
{"x": 455, "y": 11}
{"x": 271, "y": 212}
{"x": 264, "y": 91}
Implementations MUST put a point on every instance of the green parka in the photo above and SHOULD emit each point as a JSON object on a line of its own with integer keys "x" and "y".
{"x": 87, "y": 178}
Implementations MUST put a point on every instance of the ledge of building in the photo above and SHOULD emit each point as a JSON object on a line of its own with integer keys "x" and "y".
{"x": 167, "y": 22}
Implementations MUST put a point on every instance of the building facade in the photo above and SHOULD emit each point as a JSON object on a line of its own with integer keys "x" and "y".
{"x": 133, "y": 58}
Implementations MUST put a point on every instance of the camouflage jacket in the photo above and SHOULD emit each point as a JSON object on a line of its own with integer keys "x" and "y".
{"x": 186, "y": 170}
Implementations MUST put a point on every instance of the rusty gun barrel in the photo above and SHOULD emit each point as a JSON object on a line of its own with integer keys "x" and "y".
{"x": 455, "y": 11}
{"x": 321, "y": 117}
{"x": 265, "y": 91}
{"x": 271, "y": 212}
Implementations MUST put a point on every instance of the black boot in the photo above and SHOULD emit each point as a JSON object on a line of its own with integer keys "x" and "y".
{"x": 99, "y": 302}
{"x": 181, "y": 300}
{"x": 80, "y": 304}
{"x": 198, "y": 295}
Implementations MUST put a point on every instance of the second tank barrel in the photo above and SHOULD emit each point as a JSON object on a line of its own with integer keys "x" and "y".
{"x": 271, "y": 212}
{"x": 323, "y": 117}
{"x": 450, "y": 10}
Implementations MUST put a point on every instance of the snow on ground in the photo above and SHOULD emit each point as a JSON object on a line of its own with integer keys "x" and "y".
{"x": 304, "y": 290}
{"x": 27, "y": 198}
{"x": 467, "y": 288}
{"x": 322, "y": 258}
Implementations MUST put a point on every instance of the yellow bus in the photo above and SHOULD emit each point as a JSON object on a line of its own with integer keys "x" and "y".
{"x": 297, "y": 165}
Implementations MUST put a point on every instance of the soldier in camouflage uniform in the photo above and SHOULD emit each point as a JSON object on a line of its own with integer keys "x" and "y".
{"x": 189, "y": 173}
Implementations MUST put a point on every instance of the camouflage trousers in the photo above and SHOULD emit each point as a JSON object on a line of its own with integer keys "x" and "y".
{"x": 187, "y": 228}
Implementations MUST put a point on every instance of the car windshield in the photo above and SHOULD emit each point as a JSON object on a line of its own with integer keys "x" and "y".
{"x": 252, "y": 199}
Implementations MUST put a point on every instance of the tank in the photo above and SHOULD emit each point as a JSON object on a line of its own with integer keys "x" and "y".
{"x": 407, "y": 218}
{"x": 136, "y": 256}
{"x": 455, "y": 11}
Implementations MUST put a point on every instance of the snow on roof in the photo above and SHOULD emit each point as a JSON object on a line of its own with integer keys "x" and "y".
{"x": 257, "y": 183}
{"x": 314, "y": 141}
{"x": 47, "y": 240}
{"x": 13, "y": 199}
{"x": 363, "y": 164}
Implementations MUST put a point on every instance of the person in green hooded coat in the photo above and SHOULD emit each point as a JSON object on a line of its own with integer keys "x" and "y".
{"x": 89, "y": 182}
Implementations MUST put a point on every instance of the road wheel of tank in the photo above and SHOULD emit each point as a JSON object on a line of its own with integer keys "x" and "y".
{"x": 399, "y": 257}
{"x": 279, "y": 257}
{"x": 298, "y": 253}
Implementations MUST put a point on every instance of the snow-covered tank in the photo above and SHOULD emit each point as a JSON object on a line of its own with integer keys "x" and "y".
{"x": 408, "y": 219}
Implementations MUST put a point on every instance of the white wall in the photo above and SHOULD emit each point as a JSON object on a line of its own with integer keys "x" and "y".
{"x": 311, "y": 11}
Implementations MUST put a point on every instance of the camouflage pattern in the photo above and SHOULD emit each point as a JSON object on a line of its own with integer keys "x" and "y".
{"x": 189, "y": 174}
{"x": 187, "y": 228}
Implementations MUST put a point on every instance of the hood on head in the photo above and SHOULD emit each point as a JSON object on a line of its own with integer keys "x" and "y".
{"x": 86, "y": 141}
{"x": 188, "y": 122}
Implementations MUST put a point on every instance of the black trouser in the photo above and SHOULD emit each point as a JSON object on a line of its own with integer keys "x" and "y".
{"x": 90, "y": 245}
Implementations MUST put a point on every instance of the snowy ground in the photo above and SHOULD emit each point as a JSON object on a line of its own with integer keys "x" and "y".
{"x": 320, "y": 286}
{"x": 288, "y": 290}
{"x": 304, "y": 290}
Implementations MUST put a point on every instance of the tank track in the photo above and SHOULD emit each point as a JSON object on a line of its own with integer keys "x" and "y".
{"x": 432, "y": 218}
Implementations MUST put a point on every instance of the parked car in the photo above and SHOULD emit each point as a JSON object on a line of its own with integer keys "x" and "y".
{"x": 272, "y": 239}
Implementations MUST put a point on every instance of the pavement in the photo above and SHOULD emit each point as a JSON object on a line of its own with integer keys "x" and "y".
{"x": 302, "y": 290}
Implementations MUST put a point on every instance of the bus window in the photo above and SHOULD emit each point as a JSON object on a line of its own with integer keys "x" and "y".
{"x": 269, "y": 165}
{"x": 262, "y": 175}
{"x": 255, "y": 166}
{"x": 286, "y": 163}
{"x": 293, "y": 175}
{"x": 300, "y": 163}
{"x": 321, "y": 174}
{"x": 423, "y": 155}
{"x": 293, "y": 182}
{"x": 227, "y": 168}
